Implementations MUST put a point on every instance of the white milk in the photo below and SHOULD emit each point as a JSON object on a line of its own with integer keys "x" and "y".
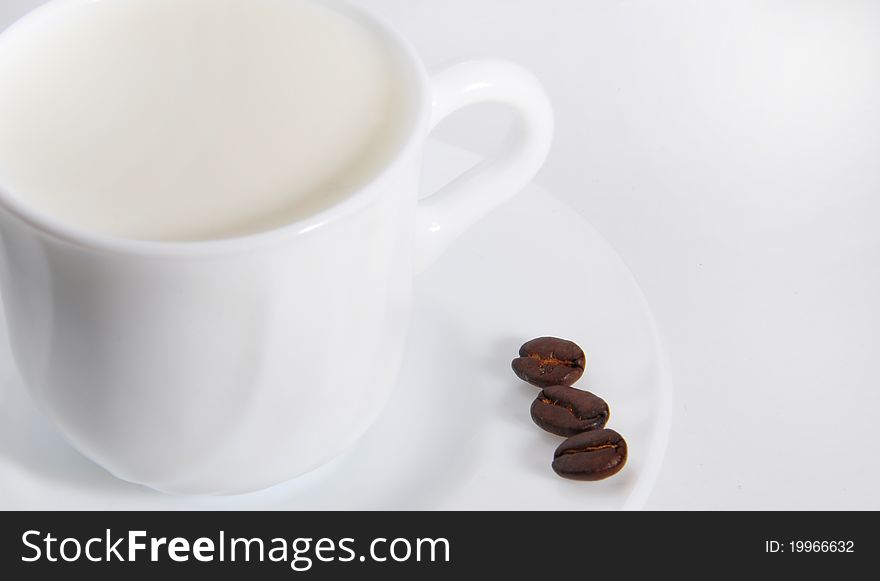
{"x": 192, "y": 119}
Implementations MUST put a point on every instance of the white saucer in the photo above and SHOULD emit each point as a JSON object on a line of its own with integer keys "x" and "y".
{"x": 457, "y": 434}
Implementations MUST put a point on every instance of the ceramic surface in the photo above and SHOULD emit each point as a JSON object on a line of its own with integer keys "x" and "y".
{"x": 456, "y": 433}
{"x": 229, "y": 366}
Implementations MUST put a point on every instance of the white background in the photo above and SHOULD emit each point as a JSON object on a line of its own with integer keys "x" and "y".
{"x": 729, "y": 151}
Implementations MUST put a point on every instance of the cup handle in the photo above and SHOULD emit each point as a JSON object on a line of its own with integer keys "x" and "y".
{"x": 446, "y": 214}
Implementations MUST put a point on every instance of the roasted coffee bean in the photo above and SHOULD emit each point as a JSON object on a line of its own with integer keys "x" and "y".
{"x": 590, "y": 456}
{"x": 566, "y": 411}
{"x": 549, "y": 361}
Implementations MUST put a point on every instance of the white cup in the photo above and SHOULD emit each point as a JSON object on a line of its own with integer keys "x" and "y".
{"x": 228, "y": 366}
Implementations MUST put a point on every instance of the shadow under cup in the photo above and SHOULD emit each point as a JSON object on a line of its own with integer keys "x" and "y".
{"x": 219, "y": 366}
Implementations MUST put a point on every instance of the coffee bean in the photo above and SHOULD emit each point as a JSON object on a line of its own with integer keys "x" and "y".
{"x": 549, "y": 361}
{"x": 566, "y": 411}
{"x": 590, "y": 456}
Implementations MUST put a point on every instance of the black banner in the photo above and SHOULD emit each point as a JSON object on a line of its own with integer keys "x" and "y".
{"x": 283, "y": 545}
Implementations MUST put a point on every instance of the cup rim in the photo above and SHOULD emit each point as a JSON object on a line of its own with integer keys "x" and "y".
{"x": 415, "y": 80}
